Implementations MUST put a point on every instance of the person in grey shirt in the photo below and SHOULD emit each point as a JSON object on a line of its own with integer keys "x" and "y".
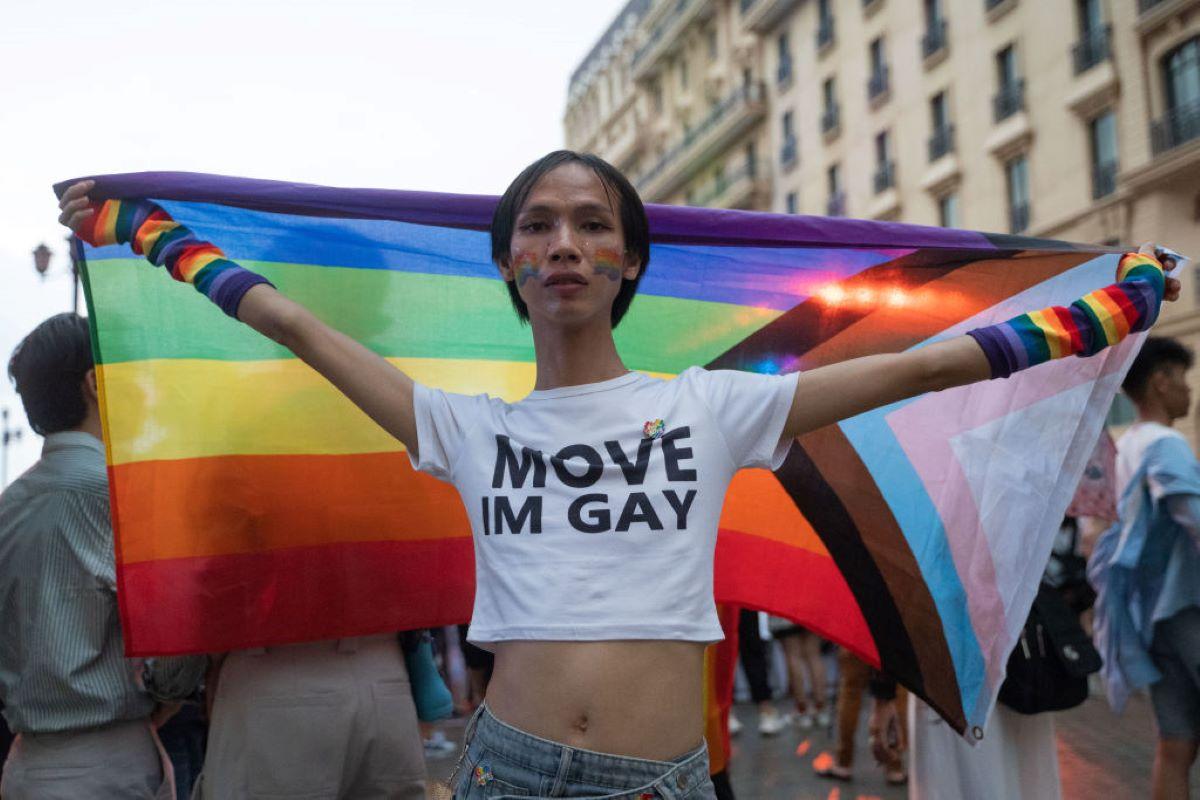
{"x": 81, "y": 710}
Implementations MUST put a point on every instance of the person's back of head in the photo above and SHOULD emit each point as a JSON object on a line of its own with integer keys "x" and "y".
{"x": 1157, "y": 376}
{"x": 49, "y": 369}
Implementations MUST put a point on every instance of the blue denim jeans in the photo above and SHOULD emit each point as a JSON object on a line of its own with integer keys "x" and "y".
{"x": 499, "y": 761}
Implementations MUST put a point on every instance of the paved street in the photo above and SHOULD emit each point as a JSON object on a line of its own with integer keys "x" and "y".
{"x": 1100, "y": 756}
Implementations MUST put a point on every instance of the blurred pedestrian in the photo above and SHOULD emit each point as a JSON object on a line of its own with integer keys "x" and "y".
{"x": 81, "y": 710}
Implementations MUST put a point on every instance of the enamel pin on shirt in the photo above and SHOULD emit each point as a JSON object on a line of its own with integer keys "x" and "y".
{"x": 653, "y": 429}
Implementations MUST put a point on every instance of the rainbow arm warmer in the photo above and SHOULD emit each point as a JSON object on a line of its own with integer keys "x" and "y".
{"x": 1090, "y": 324}
{"x": 151, "y": 232}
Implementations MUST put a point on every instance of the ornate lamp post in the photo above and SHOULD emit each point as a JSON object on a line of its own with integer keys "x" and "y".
{"x": 41, "y": 262}
{"x": 7, "y": 436}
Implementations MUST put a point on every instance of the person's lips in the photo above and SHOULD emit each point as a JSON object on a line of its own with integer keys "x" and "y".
{"x": 565, "y": 279}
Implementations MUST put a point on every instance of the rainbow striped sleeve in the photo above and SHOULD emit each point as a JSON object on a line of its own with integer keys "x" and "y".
{"x": 1090, "y": 324}
{"x": 150, "y": 231}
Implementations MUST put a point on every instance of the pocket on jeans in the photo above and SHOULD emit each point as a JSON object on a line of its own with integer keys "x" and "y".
{"x": 296, "y": 745}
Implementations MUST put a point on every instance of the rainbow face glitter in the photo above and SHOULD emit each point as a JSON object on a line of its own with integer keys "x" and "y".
{"x": 524, "y": 267}
{"x": 607, "y": 263}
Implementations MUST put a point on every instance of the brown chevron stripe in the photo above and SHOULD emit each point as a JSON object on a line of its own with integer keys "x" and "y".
{"x": 940, "y": 288}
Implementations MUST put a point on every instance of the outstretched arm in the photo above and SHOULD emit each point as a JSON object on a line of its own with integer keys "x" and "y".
{"x": 368, "y": 380}
{"x": 1104, "y": 317}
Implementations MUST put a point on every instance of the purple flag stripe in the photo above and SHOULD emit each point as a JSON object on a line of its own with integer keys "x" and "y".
{"x": 669, "y": 224}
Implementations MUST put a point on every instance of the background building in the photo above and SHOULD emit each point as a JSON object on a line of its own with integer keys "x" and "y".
{"x": 1070, "y": 119}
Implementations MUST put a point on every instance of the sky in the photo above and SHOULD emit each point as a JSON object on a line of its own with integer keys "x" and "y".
{"x": 443, "y": 96}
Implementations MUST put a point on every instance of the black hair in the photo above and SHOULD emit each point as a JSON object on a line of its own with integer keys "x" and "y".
{"x": 1157, "y": 353}
{"x": 48, "y": 368}
{"x": 629, "y": 204}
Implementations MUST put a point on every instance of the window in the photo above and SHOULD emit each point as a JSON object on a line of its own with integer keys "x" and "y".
{"x": 1010, "y": 95}
{"x": 1181, "y": 79}
{"x": 785, "y": 58}
{"x": 1090, "y": 18}
{"x": 713, "y": 48}
{"x": 751, "y": 159}
{"x": 835, "y": 206}
{"x": 1104, "y": 154}
{"x": 1017, "y": 173}
{"x": 656, "y": 97}
{"x": 877, "y": 62}
{"x": 941, "y": 140}
{"x": 789, "y": 131}
{"x": 884, "y": 169}
{"x": 829, "y": 94}
{"x": 683, "y": 72}
{"x": 934, "y": 39}
{"x": 787, "y": 153}
{"x": 824, "y": 24}
{"x": 1181, "y": 73}
{"x": 793, "y": 203}
{"x": 948, "y": 210}
{"x": 933, "y": 14}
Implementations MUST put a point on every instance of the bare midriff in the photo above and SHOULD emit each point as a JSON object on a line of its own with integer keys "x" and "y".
{"x": 632, "y": 698}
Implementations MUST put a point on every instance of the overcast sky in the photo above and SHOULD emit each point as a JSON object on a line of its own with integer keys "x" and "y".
{"x": 445, "y": 96}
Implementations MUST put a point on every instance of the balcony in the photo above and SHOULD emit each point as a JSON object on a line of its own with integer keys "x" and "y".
{"x": 666, "y": 34}
{"x": 885, "y": 176}
{"x": 1009, "y": 100}
{"x": 729, "y": 119}
{"x": 1092, "y": 49}
{"x": 1147, "y": 5}
{"x": 1018, "y": 218}
{"x": 871, "y": 6}
{"x": 935, "y": 40}
{"x": 761, "y": 16}
{"x": 835, "y": 206}
{"x": 1104, "y": 180}
{"x": 1178, "y": 126}
{"x": 741, "y": 189}
{"x": 941, "y": 142}
{"x": 995, "y": 9}
{"x": 824, "y": 34}
{"x": 831, "y": 120}
{"x": 877, "y": 86}
{"x": 789, "y": 152}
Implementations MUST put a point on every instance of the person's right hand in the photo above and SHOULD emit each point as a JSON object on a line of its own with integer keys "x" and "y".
{"x": 76, "y": 206}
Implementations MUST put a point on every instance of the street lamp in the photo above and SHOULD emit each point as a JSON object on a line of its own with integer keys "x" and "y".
{"x": 41, "y": 262}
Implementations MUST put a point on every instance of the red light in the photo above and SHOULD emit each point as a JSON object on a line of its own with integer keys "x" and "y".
{"x": 833, "y": 295}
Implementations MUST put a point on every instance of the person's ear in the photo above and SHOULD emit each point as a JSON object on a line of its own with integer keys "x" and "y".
{"x": 632, "y": 266}
{"x": 505, "y": 267}
{"x": 90, "y": 391}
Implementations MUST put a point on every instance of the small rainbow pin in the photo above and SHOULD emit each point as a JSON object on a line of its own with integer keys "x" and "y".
{"x": 483, "y": 775}
{"x": 653, "y": 429}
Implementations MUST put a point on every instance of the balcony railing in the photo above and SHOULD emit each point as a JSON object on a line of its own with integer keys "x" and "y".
{"x": 988, "y": 5}
{"x": 877, "y": 85}
{"x": 1104, "y": 179}
{"x": 941, "y": 142}
{"x": 789, "y": 151}
{"x": 885, "y": 176}
{"x": 672, "y": 19}
{"x": 835, "y": 206}
{"x": 830, "y": 119}
{"x": 1009, "y": 100}
{"x": 1146, "y": 5}
{"x": 934, "y": 38}
{"x": 784, "y": 74}
{"x": 825, "y": 32}
{"x": 1180, "y": 125}
{"x": 1018, "y": 218}
{"x": 1092, "y": 48}
{"x": 722, "y": 183}
{"x": 735, "y": 100}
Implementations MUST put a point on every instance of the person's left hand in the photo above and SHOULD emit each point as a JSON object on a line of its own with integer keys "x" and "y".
{"x": 1173, "y": 286}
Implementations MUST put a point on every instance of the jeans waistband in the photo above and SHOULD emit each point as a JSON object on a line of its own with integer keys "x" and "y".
{"x": 568, "y": 765}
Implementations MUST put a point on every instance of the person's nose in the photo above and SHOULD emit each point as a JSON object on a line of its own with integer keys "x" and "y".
{"x": 564, "y": 248}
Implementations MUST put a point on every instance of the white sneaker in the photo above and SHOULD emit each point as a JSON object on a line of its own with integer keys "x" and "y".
{"x": 805, "y": 720}
{"x": 770, "y": 722}
{"x": 735, "y": 726}
{"x": 824, "y": 718}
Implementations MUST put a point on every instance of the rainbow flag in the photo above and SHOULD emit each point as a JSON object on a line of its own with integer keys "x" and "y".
{"x": 253, "y": 504}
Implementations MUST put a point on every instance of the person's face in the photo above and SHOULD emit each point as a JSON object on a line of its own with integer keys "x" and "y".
{"x": 1171, "y": 383}
{"x": 567, "y": 254}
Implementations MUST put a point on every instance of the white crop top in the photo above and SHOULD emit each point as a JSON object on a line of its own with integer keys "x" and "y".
{"x": 594, "y": 508}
